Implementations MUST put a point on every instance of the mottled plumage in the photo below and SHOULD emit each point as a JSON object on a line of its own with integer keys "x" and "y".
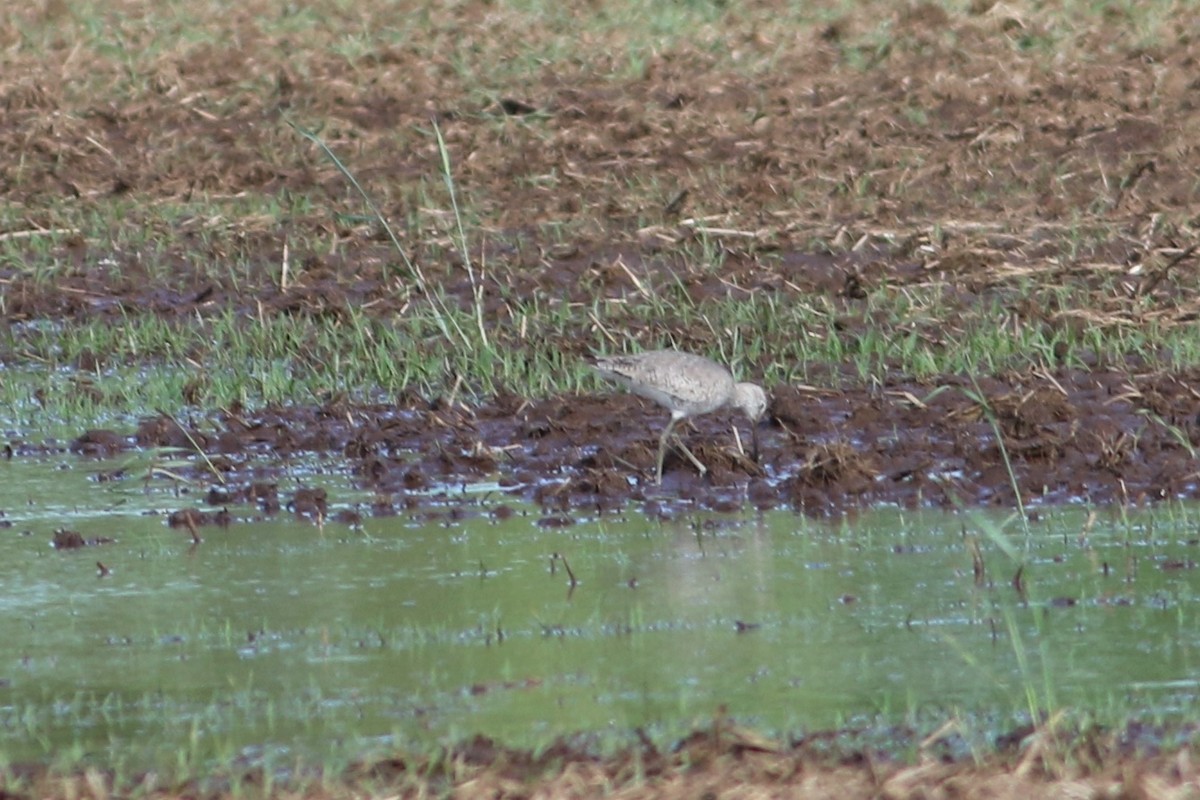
{"x": 687, "y": 385}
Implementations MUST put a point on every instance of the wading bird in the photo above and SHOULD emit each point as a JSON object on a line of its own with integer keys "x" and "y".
{"x": 687, "y": 385}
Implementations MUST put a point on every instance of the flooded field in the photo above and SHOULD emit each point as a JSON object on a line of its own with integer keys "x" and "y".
{"x": 307, "y": 488}
{"x": 284, "y": 639}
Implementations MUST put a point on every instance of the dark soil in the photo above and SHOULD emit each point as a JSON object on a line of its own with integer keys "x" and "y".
{"x": 723, "y": 760}
{"x": 984, "y": 162}
{"x": 1011, "y": 158}
{"x": 1097, "y": 436}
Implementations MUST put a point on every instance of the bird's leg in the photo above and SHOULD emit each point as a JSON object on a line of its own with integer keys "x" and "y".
{"x": 662, "y": 449}
{"x": 695, "y": 461}
{"x": 737, "y": 438}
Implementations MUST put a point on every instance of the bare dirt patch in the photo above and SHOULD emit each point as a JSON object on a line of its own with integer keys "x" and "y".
{"x": 949, "y": 155}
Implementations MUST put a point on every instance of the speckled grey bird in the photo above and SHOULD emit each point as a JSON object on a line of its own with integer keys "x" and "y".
{"x": 687, "y": 385}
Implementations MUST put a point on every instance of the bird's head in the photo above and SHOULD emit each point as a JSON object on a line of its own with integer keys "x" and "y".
{"x": 751, "y": 399}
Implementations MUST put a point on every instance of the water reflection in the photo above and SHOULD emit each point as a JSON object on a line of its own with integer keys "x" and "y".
{"x": 278, "y": 636}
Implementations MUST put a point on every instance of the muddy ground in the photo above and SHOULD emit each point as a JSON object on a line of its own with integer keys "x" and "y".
{"x": 727, "y": 761}
{"x": 1099, "y": 436}
{"x": 1018, "y": 157}
{"x": 963, "y": 156}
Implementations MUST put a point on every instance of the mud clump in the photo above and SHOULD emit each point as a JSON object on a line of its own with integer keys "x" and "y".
{"x": 65, "y": 539}
{"x": 1068, "y": 436}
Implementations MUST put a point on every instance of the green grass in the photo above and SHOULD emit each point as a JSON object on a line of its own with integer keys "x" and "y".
{"x": 439, "y": 219}
{"x": 139, "y": 362}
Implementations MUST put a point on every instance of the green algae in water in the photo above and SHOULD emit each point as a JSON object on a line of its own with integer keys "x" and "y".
{"x": 281, "y": 639}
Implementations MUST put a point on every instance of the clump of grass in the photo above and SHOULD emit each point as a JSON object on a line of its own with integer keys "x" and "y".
{"x": 142, "y": 362}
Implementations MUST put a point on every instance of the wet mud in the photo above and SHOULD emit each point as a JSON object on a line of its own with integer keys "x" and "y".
{"x": 723, "y": 759}
{"x": 1076, "y": 436}
{"x": 814, "y": 180}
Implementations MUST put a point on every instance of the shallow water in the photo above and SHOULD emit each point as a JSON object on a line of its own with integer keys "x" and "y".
{"x": 277, "y": 638}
